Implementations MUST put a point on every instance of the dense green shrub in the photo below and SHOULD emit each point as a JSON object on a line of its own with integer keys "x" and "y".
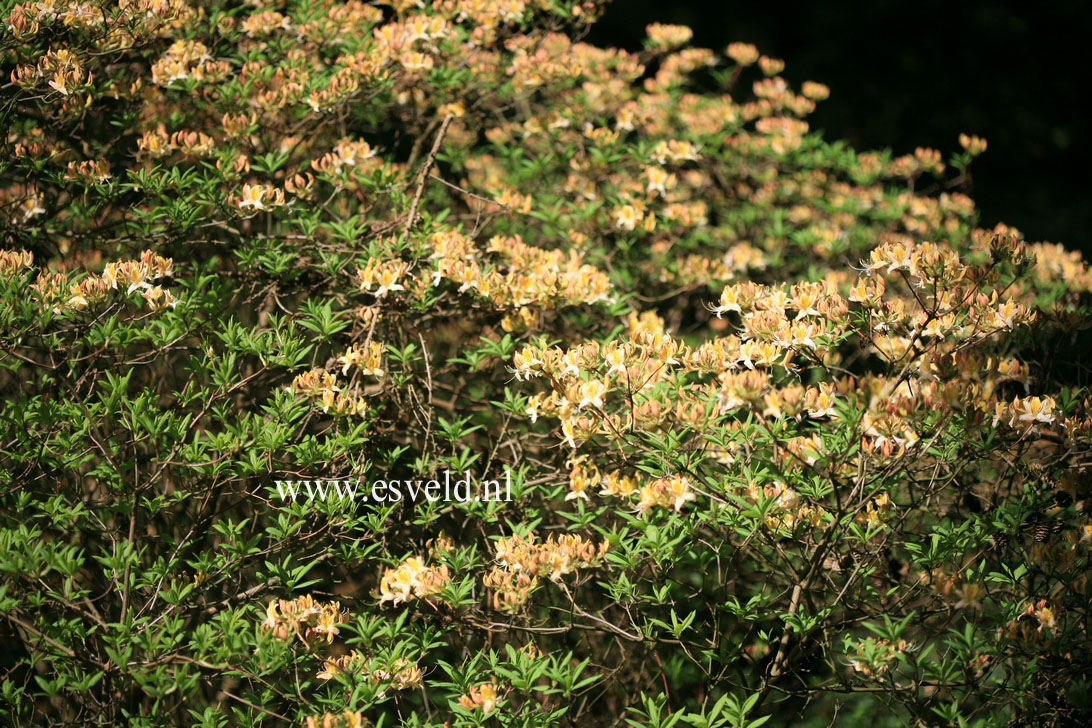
{"x": 780, "y": 434}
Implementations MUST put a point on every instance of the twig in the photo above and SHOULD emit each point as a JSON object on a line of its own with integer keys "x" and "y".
{"x": 425, "y": 169}
{"x": 67, "y": 651}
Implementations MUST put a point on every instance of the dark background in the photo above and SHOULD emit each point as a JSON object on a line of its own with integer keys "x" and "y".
{"x": 918, "y": 73}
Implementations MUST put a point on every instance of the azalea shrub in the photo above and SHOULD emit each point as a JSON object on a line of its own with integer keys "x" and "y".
{"x": 781, "y": 432}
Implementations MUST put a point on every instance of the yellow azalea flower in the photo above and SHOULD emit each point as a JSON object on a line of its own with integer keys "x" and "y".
{"x": 1034, "y": 409}
{"x": 627, "y": 217}
{"x": 252, "y": 197}
{"x": 970, "y": 596}
{"x": 592, "y": 393}
{"x": 615, "y": 359}
{"x": 729, "y": 301}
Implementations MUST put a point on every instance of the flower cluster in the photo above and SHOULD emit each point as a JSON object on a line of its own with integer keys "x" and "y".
{"x": 188, "y": 60}
{"x": 671, "y": 492}
{"x": 258, "y": 197}
{"x": 511, "y": 589}
{"x": 1037, "y": 621}
{"x": 524, "y": 275}
{"x": 401, "y": 674}
{"x": 322, "y": 387}
{"x": 95, "y": 171}
{"x": 786, "y": 508}
{"x": 412, "y": 579}
{"x": 93, "y": 289}
{"x": 345, "y": 719}
{"x": 483, "y": 697}
{"x": 874, "y": 656}
{"x": 553, "y": 558}
{"x": 304, "y": 617}
{"x": 668, "y": 36}
{"x": 12, "y": 262}
{"x": 369, "y": 359}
